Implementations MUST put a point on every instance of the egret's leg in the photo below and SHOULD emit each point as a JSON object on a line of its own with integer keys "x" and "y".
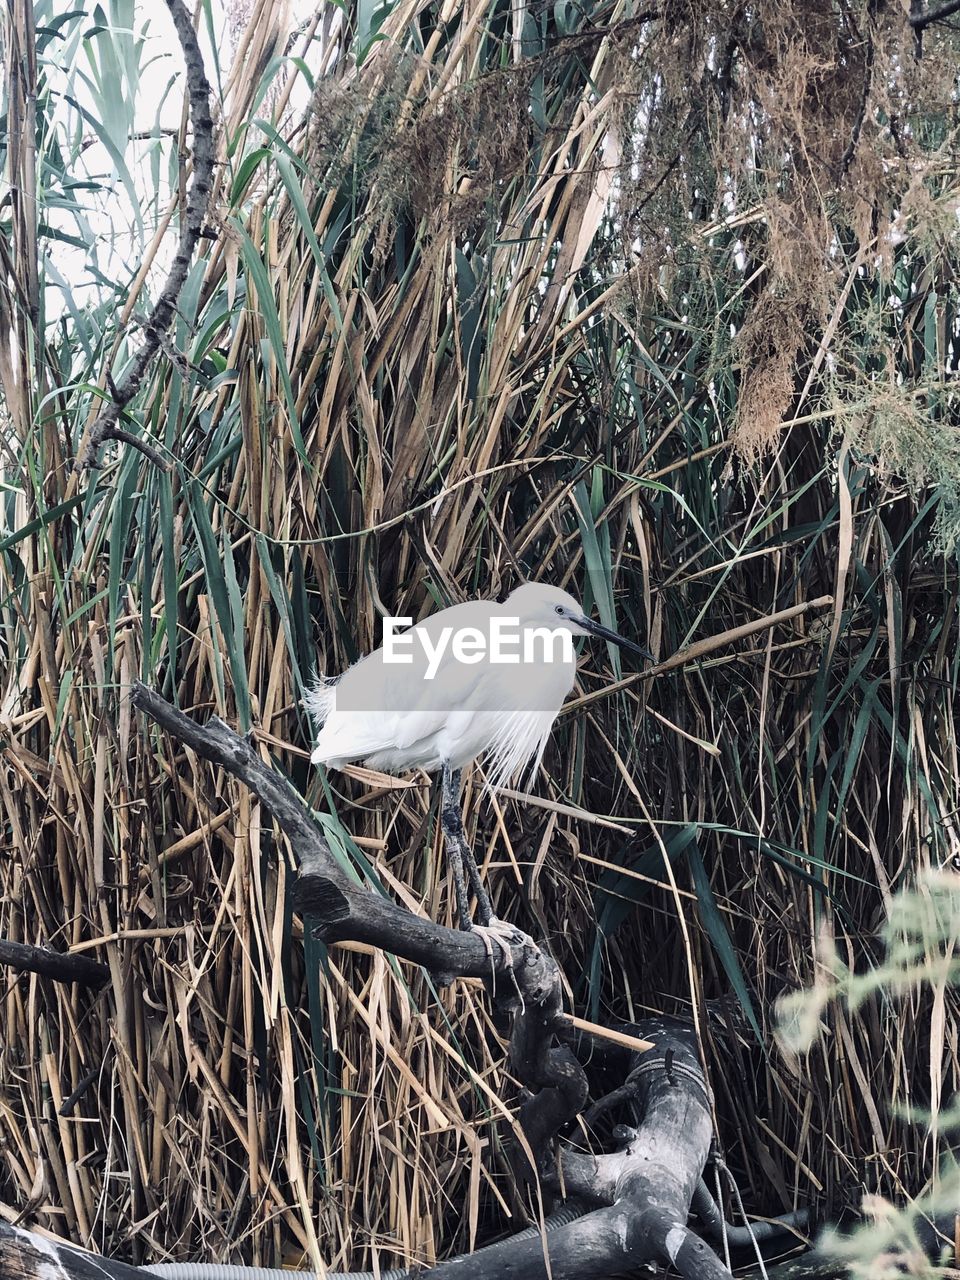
{"x": 459, "y": 853}
{"x": 493, "y": 932}
{"x": 454, "y": 852}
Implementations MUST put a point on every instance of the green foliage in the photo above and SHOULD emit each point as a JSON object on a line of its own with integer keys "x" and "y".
{"x": 920, "y": 935}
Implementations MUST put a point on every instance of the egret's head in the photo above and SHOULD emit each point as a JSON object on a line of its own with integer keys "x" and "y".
{"x": 546, "y": 606}
{"x": 535, "y": 602}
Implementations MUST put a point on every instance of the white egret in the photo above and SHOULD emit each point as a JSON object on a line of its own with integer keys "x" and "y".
{"x": 477, "y": 679}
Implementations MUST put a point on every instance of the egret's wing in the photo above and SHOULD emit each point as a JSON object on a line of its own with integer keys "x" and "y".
{"x": 380, "y": 707}
{"x": 449, "y": 705}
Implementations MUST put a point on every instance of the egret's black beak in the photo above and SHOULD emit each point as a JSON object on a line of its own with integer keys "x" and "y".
{"x": 604, "y": 633}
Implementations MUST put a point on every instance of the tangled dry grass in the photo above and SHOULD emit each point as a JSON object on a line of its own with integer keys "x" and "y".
{"x": 584, "y": 295}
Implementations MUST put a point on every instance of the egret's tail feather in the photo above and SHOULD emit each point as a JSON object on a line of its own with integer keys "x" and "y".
{"x": 321, "y": 698}
{"x": 320, "y": 701}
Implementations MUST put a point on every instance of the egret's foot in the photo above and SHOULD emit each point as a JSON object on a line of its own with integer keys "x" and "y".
{"x": 502, "y": 932}
{"x": 504, "y": 936}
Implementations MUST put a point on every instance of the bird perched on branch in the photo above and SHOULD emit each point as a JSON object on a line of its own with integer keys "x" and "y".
{"x": 478, "y": 679}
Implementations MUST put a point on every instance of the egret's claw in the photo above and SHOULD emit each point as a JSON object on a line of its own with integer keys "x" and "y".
{"x": 507, "y": 932}
{"x": 502, "y": 934}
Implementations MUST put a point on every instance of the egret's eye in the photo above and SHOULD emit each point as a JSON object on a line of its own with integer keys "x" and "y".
{"x": 558, "y": 608}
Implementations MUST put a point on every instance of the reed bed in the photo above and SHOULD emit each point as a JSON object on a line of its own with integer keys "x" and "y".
{"x": 505, "y": 299}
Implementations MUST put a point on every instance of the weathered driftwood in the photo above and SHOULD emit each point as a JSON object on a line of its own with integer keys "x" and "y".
{"x": 642, "y": 1191}
{"x": 26, "y": 1256}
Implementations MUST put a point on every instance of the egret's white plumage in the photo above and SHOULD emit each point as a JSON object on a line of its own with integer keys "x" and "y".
{"x": 392, "y": 718}
{"x": 441, "y": 710}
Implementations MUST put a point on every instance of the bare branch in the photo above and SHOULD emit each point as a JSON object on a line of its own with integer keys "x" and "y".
{"x": 155, "y": 327}
{"x": 151, "y": 453}
{"x": 645, "y": 1189}
{"x": 341, "y": 910}
{"x": 923, "y": 19}
{"x": 53, "y": 964}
